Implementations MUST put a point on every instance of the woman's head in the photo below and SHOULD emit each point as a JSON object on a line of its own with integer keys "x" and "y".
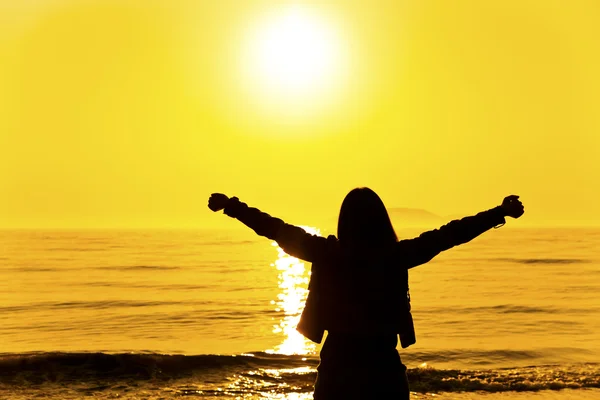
{"x": 364, "y": 220}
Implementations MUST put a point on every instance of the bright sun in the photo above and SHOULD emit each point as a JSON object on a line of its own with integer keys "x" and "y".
{"x": 294, "y": 58}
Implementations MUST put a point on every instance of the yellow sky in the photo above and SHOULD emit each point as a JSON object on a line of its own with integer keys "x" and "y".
{"x": 123, "y": 113}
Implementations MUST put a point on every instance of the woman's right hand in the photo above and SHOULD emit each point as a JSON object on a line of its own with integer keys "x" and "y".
{"x": 512, "y": 206}
{"x": 217, "y": 201}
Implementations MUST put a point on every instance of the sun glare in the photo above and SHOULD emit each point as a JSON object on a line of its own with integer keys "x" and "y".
{"x": 293, "y": 282}
{"x": 294, "y": 56}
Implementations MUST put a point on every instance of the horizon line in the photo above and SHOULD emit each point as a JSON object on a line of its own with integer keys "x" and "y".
{"x": 242, "y": 227}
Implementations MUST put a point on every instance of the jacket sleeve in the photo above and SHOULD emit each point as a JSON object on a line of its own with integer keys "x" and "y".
{"x": 292, "y": 239}
{"x": 417, "y": 251}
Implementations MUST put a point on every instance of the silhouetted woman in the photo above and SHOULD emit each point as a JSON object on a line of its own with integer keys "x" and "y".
{"x": 358, "y": 290}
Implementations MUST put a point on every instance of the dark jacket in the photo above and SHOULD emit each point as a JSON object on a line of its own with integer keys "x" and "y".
{"x": 361, "y": 299}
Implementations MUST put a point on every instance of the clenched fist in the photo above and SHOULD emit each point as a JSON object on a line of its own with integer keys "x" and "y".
{"x": 512, "y": 206}
{"x": 217, "y": 201}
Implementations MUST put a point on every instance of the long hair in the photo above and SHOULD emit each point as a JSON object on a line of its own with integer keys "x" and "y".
{"x": 364, "y": 221}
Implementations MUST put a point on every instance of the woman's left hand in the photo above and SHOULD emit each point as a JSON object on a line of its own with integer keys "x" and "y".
{"x": 217, "y": 201}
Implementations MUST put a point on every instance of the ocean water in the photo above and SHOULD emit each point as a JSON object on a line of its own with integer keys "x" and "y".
{"x": 515, "y": 314}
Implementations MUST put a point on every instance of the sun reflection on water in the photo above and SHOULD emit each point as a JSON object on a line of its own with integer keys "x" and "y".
{"x": 293, "y": 282}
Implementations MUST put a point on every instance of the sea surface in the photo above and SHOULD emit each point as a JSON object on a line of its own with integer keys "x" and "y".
{"x": 164, "y": 314}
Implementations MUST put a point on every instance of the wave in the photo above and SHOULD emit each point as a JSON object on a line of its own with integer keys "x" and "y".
{"x": 290, "y": 371}
{"x": 102, "y": 268}
{"x": 56, "y": 366}
{"x": 135, "y": 268}
{"x": 534, "y": 378}
{"x": 542, "y": 260}
{"x": 97, "y": 305}
{"x": 129, "y": 285}
{"x": 37, "y": 269}
{"x": 509, "y": 309}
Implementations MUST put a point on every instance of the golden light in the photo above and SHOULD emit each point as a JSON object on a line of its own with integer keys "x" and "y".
{"x": 293, "y": 282}
{"x": 294, "y": 58}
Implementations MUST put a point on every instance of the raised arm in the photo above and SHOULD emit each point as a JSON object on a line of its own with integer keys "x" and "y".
{"x": 292, "y": 239}
{"x": 417, "y": 251}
